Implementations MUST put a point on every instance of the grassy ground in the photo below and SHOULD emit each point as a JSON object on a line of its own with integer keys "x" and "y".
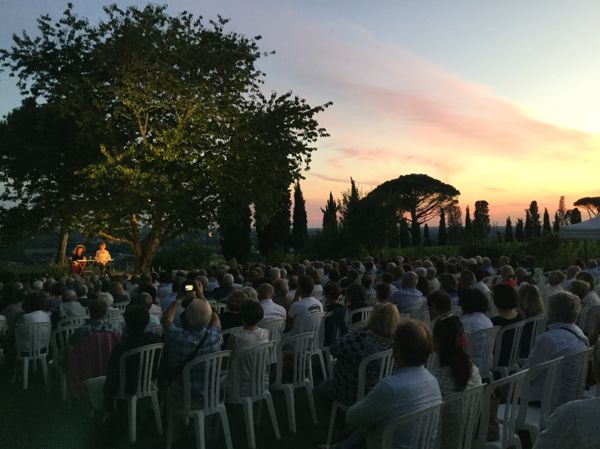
{"x": 34, "y": 419}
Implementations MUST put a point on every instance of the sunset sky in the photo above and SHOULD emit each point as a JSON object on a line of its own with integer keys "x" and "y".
{"x": 499, "y": 99}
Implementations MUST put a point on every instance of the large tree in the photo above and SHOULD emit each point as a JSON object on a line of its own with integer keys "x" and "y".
{"x": 41, "y": 155}
{"x": 181, "y": 121}
{"x": 508, "y": 231}
{"x": 591, "y": 204}
{"x": 274, "y": 233}
{"x": 455, "y": 225}
{"x": 546, "y": 227}
{"x": 234, "y": 230}
{"x": 534, "y": 215}
{"x": 349, "y": 210}
{"x": 520, "y": 230}
{"x": 468, "y": 225}
{"x": 419, "y": 196}
{"x": 561, "y": 212}
{"x": 300, "y": 222}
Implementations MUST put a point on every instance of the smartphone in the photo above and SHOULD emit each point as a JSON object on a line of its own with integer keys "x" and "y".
{"x": 189, "y": 287}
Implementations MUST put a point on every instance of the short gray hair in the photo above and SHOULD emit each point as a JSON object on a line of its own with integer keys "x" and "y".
{"x": 198, "y": 313}
{"x": 563, "y": 307}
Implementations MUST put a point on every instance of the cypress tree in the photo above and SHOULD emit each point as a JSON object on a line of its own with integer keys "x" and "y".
{"x": 330, "y": 221}
{"x": 508, "y": 231}
{"x": 442, "y": 232}
{"x": 547, "y": 228}
{"x": 556, "y": 224}
{"x": 481, "y": 220}
{"x": 468, "y": 226}
{"x": 519, "y": 231}
{"x": 528, "y": 230}
{"x": 534, "y": 217}
{"x": 426, "y": 236}
{"x": 300, "y": 222}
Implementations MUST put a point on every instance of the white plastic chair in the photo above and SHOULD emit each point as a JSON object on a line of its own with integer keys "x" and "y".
{"x": 508, "y": 414}
{"x": 301, "y": 351}
{"x": 214, "y": 375}
{"x": 218, "y": 307}
{"x": 480, "y": 346}
{"x": 386, "y": 365}
{"x": 587, "y": 320}
{"x": 325, "y": 350}
{"x": 115, "y": 318}
{"x": 318, "y": 328}
{"x": 59, "y": 340}
{"x": 576, "y": 367}
{"x": 538, "y": 325}
{"x": 76, "y": 320}
{"x": 275, "y": 328}
{"x": 423, "y": 315}
{"x": 148, "y": 358}
{"x": 257, "y": 359}
{"x": 515, "y": 348}
{"x": 423, "y": 427}
{"x": 460, "y": 412}
{"x": 32, "y": 342}
{"x": 121, "y": 305}
{"x": 233, "y": 330}
{"x": 363, "y": 315}
{"x": 492, "y": 311}
{"x": 533, "y": 419}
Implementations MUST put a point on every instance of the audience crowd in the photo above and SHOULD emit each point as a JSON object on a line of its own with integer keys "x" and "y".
{"x": 431, "y": 313}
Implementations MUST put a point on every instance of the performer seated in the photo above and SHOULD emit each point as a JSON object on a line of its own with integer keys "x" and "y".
{"x": 103, "y": 257}
{"x": 78, "y": 260}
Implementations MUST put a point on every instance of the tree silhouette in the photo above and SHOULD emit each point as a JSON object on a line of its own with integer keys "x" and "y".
{"x": 300, "y": 221}
{"x": 442, "y": 231}
{"x": 508, "y": 231}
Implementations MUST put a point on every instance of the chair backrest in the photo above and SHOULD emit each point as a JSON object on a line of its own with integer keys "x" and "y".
{"x": 301, "y": 346}
{"x": 156, "y": 329}
{"x": 219, "y": 307}
{"x": 574, "y": 370}
{"x": 423, "y": 315}
{"x": 549, "y": 371}
{"x": 511, "y": 388}
{"x": 384, "y": 360}
{"x": 359, "y": 315}
{"x": 492, "y": 311}
{"x": 76, "y": 320}
{"x": 233, "y": 330}
{"x": 3, "y": 325}
{"x": 255, "y": 362}
{"x": 115, "y": 318}
{"x": 121, "y": 305}
{"x": 480, "y": 347}
{"x": 588, "y": 318}
{"x": 423, "y": 427}
{"x": 275, "y": 328}
{"x": 516, "y": 331}
{"x": 459, "y": 418}
{"x": 318, "y": 328}
{"x": 214, "y": 373}
{"x": 33, "y": 339}
{"x": 456, "y": 310}
{"x": 60, "y": 337}
{"x": 148, "y": 358}
{"x": 538, "y": 323}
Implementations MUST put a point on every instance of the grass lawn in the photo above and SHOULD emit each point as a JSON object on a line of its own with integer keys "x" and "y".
{"x": 34, "y": 419}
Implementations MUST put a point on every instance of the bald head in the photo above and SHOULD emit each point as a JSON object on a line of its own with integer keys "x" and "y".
{"x": 198, "y": 313}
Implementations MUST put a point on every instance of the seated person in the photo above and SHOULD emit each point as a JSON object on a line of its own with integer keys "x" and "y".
{"x": 97, "y": 322}
{"x": 356, "y": 298}
{"x": 563, "y": 337}
{"x": 103, "y": 257}
{"x": 78, "y": 260}
{"x": 588, "y": 298}
{"x": 410, "y": 389}
{"x": 408, "y": 298}
{"x": 136, "y": 319}
{"x": 455, "y": 373}
{"x": 71, "y": 307}
{"x": 474, "y": 305}
{"x": 439, "y": 304}
{"x": 335, "y": 325}
{"x": 355, "y": 346}
{"x": 530, "y": 304}
{"x": 301, "y": 312}
{"x": 574, "y": 424}
{"x": 231, "y": 316}
{"x": 505, "y": 299}
{"x": 383, "y": 293}
{"x": 251, "y": 335}
{"x": 271, "y": 310}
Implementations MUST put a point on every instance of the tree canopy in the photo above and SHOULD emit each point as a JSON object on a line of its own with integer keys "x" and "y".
{"x": 590, "y": 203}
{"x": 179, "y": 123}
{"x": 418, "y": 195}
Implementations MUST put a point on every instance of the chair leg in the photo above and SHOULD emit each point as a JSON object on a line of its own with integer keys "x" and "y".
{"x": 170, "y": 428}
{"x": 226, "y": 429}
{"x": 44, "y": 369}
{"x": 323, "y": 366}
{"x": 311, "y": 402}
{"x": 156, "y": 409}
{"x": 132, "y": 416}
{"x": 25, "y": 372}
{"x": 273, "y": 415}
{"x": 199, "y": 432}
{"x": 249, "y": 419}
{"x": 288, "y": 390}
{"x": 331, "y": 424}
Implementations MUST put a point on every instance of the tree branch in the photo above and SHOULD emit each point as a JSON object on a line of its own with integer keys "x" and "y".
{"x": 113, "y": 238}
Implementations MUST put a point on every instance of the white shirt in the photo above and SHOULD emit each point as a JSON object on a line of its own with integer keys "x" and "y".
{"x": 572, "y": 425}
{"x": 302, "y": 313}
{"x": 482, "y": 288}
{"x": 272, "y": 311}
{"x": 473, "y": 322}
{"x": 72, "y": 309}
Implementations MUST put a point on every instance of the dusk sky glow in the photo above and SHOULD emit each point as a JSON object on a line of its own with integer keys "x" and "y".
{"x": 499, "y": 99}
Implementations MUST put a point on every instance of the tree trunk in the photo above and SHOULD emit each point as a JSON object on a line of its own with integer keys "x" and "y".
{"x": 149, "y": 248}
{"x": 61, "y": 254}
{"x": 415, "y": 228}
